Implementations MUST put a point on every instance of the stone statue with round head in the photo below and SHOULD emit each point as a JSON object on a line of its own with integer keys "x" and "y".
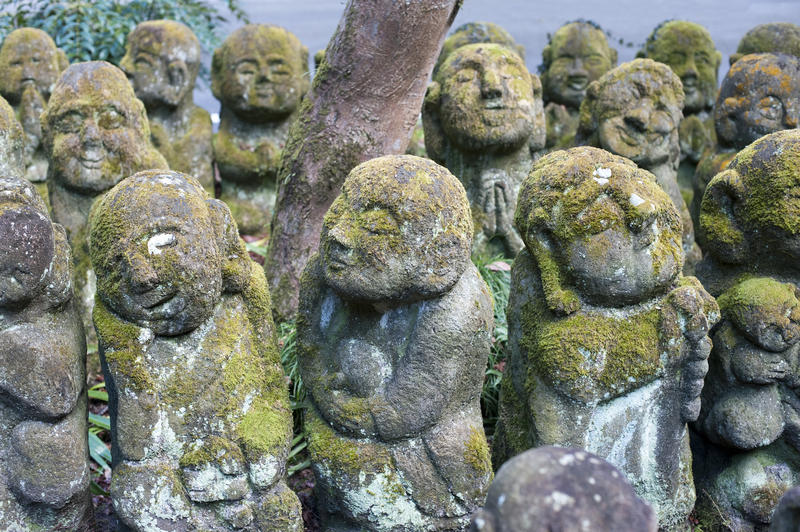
{"x": 773, "y": 37}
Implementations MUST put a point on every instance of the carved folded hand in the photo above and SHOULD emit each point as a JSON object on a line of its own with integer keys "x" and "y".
{"x": 215, "y": 470}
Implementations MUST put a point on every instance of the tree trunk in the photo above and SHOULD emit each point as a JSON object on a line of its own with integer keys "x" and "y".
{"x": 364, "y": 102}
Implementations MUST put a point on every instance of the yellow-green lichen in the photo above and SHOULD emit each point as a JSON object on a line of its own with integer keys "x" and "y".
{"x": 476, "y": 452}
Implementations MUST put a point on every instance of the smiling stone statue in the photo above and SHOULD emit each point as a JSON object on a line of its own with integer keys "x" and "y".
{"x": 200, "y": 418}
{"x": 259, "y": 75}
{"x": 162, "y": 60}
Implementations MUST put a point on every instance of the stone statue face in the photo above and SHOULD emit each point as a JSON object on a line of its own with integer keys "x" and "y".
{"x": 578, "y": 54}
{"x": 486, "y": 97}
{"x": 759, "y": 95}
{"x": 370, "y": 241}
{"x": 97, "y": 131}
{"x": 162, "y": 61}
{"x": 28, "y": 57}
{"x": 689, "y": 51}
{"x": 155, "y": 251}
{"x": 259, "y": 73}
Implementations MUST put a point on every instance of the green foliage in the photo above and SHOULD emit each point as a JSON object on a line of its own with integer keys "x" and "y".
{"x": 99, "y": 438}
{"x": 97, "y": 30}
{"x": 287, "y": 342}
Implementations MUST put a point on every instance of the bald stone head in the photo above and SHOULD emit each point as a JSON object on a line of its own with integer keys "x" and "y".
{"x": 29, "y": 56}
{"x": 475, "y": 33}
{"x": 775, "y": 37}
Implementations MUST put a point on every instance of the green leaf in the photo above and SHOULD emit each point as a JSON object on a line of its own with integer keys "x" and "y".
{"x": 95, "y": 488}
{"x": 99, "y": 451}
{"x": 100, "y": 421}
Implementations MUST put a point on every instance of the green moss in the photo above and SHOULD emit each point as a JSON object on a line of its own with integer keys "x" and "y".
{"x": 476, "y": 452}
{"x": 121, "y": 347}
{"x": 213, "y": 450}
{"x": 332, "y": 450}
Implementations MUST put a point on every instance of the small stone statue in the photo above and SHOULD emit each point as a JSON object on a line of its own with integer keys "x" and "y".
{"x": 393, "y": 333}
{"x": 259, "y": 75}
{"x": 30, "y": 65}
{"x": 749, "y": 451}
{"x": 44, "y": 481}
{"x": 634, "y": 111}
{"x": 759, "y": 95}
{"x": 162, "y": 60}
{"x": 200, "y": 419}
{"x": 608, "y": 341}
{"x": 479, "y": 114}
{"x": 577, "y": 54}
{"x": 774, "y": 37}
{"x": 551, "y": 488}
{"x": 95, "y": 134}
{"x": 688, "y": 50}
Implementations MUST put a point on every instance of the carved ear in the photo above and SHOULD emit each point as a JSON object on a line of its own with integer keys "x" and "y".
{"x": 216, "y": 72}
{"x": 560, "y": 300}
{"x": 538, "y": 138}
{"x": 431, "y": 125}
{"x": 63, "y": 61}
{"x": 719, "y": 225}
{"x": 235, "y": 260}
{"x": 614, "y": 56}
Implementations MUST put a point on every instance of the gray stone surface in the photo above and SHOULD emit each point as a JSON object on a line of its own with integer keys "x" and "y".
{"x": 787, "y": 514}
{"x": 393, "y": 333}
{"x": 200, "y": 418}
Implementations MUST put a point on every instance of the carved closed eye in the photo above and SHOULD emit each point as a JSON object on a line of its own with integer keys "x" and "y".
{"x": 70, "y": 122}
{"x": 465, "y": 75}
{"x": 110, "y": 118}
{"x": 770, "y": 108}
{"x": 158, "y": 242}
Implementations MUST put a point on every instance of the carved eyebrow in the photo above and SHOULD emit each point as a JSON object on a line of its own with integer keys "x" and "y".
{"x": 248, "y": 60}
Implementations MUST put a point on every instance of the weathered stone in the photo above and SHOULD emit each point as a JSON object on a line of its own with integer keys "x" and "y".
{"x": 44, "y": 481}
{"x": 162, "y": 60}
{"x": 30, "y": 65}
{"x": 393, "y": 332}
{"x": 759, "y": 95}
{"x": 774, "y": 37}
{"x": 552, "y": 488}
{"x": 634, "y": 111}
{"x": 200, "y": 418}
{"x": 787, "y": 513}
{"x": 577, "y": 54}
{"x": 95, "y": 134}
{"x": 749, "y": 452}
{"x": 259, "y": 75}
{"x": 480, "y": 112}
{"x": 608, "y": 341}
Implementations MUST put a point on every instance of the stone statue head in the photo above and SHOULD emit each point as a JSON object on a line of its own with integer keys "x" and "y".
{"x": 759, "y": 95}
{"x": 475, "y": 33}
{"x": 400, "y": 231}
{"x": 162, "y": 59}
{"x": 260, "y": 73}
{"x": 775, "y": 37}
{"x": 750, "y": 212}
{"x": 553, "y": 488}
{"x": 483, "y": 99}
{"x": 599, "y": 227}
{"x": 95, "y": 129}
{"x": 634, "y": 111}
{"x": 689, "y": 51}
{"x": 29, "y": 56}
{"x": 164, "y": 252}
{"x": 12, "y": 142}
{"x": 577, "y": 54}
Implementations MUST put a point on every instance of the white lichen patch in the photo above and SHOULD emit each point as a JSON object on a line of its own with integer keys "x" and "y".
{"x": 602, "y": 173}
{"x": 158, "y": 241}
{"x": 635, "y": 199}
{"x": 264, "y": 472}
{"x": 559, "y": 500}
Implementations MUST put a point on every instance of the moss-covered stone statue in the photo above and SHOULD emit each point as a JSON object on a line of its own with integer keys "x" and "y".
{"x": 30, "y": 65}
{"x": 44, "y": 480}
{"x": 551, "y": 488}
{"x": 759, "y": 95}
{"x": 608, "y": 341}
{"x": 479, "y": 114}
{"x": 200, "y": 418}
{"x": 750, "y": 421}
{"x": 577, "y": 54}
{"x": 774, "y": 37}
{"x": 689, "y": 51}
{"x": 95, "y": 134}
{"x": 393, "y": 333}
{"x": 162, "y": 60}
{"x": 259, "y": 75}
{"x": 634, "y": 111}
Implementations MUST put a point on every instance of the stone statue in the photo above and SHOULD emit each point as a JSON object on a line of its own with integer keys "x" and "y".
{"x": 479, "y": 114}
{"x": 200, "y": 418}
{"x": 689, "y": 51}
{"x": 30, "y": 65}
{"x": 44, "y": 481}
{"x": 749, "y": 453}
{"x": 393, "y": 333}
{"x": 95, "y": 134}
{"x": 607, "y": 340}
{"x": 551, "y": 488}
{"x": 634, "y": 111}
{"x": 259, "y": 75}
{"x": 577, "y": 54}
{"x": 162, "y": 60}
{"x": 759, "y": 95}
{"x": 787, "y": 513}
{"x": 775, "y": 37}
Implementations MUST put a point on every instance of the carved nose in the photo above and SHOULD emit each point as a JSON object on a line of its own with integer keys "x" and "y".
{"x": 638, "y": 117}
{"x": 91, "y": 133}
{"x": 177, "y": 73}
{"x": 143, "y": 276}
{"x": 491, "y": 86}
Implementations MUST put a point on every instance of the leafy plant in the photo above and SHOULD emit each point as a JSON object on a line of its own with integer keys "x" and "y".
{"x": 287, "y": 337}
{"x": 99, "y": 436}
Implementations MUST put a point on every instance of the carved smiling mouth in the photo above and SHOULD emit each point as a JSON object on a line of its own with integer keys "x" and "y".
{"x": 577, "y": 83}
{"x": 92, "y": 159}
{"x": 494, "y": 104}
{"x": 629, "y": 138}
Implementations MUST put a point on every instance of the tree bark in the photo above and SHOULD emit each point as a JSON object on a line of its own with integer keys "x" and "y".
{"x": 364, "y": 103}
